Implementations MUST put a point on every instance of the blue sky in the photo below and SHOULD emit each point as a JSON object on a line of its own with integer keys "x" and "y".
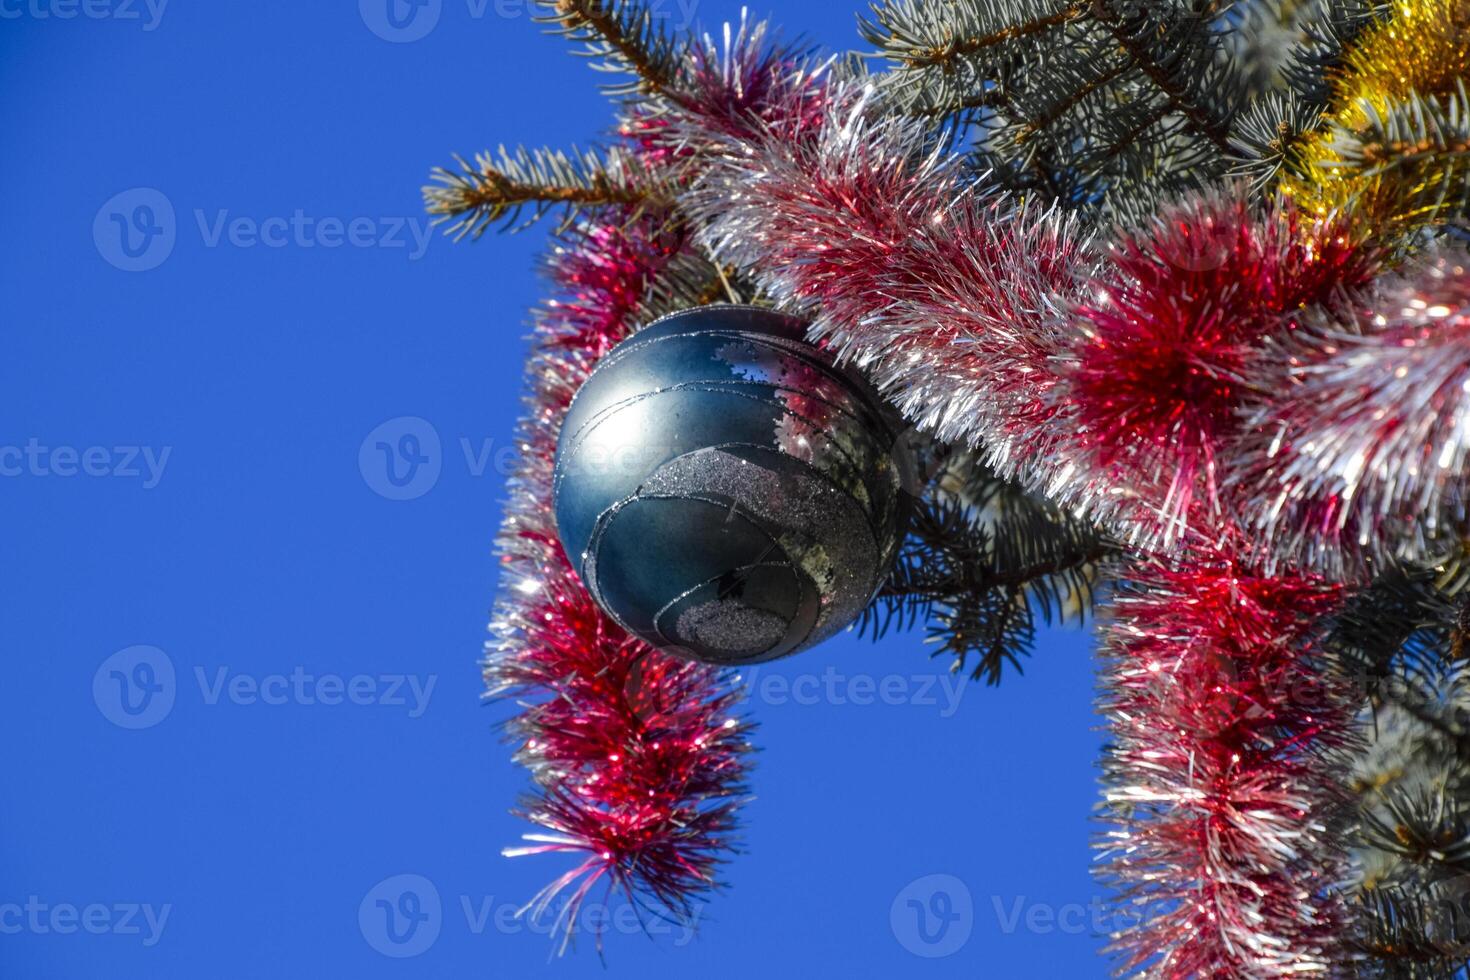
{"x": 243, "y": 701}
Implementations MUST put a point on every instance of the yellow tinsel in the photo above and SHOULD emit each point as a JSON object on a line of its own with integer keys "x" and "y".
{"x": 1421, "y": 48}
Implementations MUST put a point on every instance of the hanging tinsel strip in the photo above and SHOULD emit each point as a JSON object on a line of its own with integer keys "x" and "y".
{"x": 638, "y": 759}
{"x": 1217, "y": 777}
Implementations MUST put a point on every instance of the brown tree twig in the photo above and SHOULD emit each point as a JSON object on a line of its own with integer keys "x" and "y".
{"x": 962, "y": 46}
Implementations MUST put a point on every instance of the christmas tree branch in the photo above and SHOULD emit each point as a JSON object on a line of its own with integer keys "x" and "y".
{"x": 1411, "y": 935}
{"x": 940, "y": 55}
{"x": 1104, "y": 104}
{"x": 1270, "y": 136}
{"x": 983, "y": 560}
{"x": 1331, "y": 32}
{"x": 1277, "y": 127}
{"x": 499, "y": 187}
{"x": 981, "y": 576}
{"x": 1392, "y": 154}
{"x": 626, "y": 35}
{"x": 1290, "y": 94}
{"x": 1033, "y": 127}
{"x": 1412, "y": 783}
{"x": 1138, "y": 36}
{"x": 989, "y": 99}
{"x": 1413, "y": 159}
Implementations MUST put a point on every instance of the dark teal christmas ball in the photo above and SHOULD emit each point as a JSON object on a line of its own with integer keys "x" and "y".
{"x": 725, "y": 492}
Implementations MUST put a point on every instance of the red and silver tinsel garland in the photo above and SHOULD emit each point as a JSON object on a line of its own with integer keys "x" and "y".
{"x": 1359, "y": 453}
{"x": 638, "y": 758}
{"x": 1225, "y": 390}
{"x": 1115, "y": 382}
